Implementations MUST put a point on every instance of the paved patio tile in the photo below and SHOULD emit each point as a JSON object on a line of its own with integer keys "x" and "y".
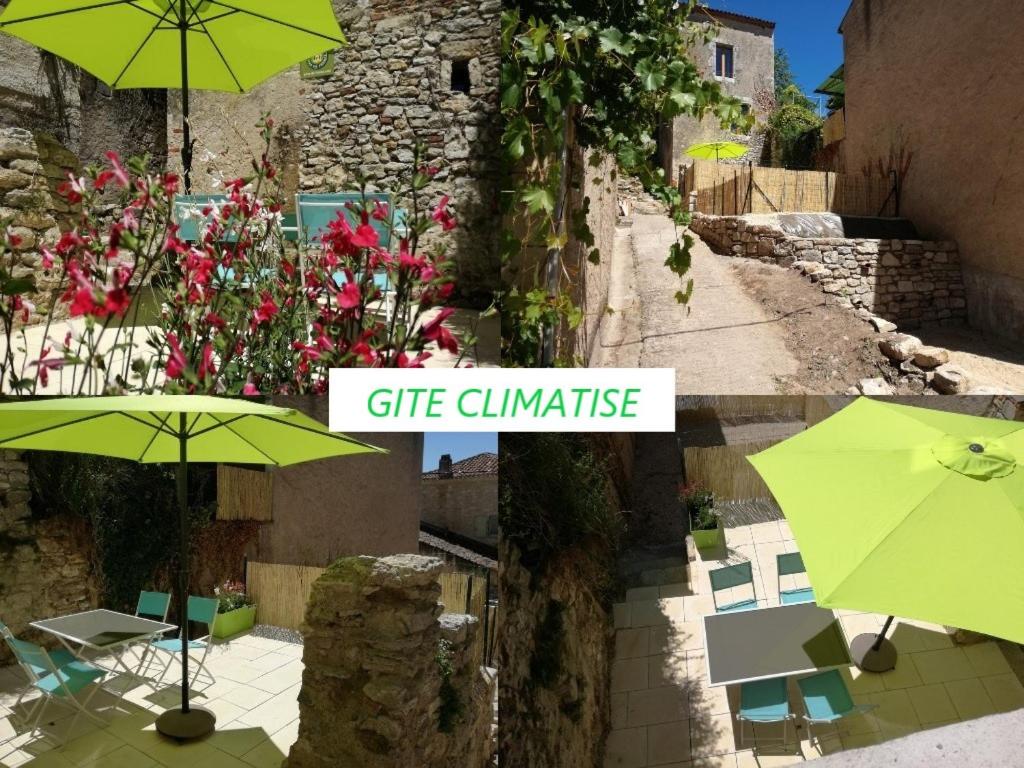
{"x": 1005, "y": 691}
{"x": 620, "y": 709}
{"x": 642, "y": 594}
{"x": 668, "y": 704}
{"x": 632, "y": 643}
{"x": 943, "y": 666}
{"x": 629, "y": 675}
{"x": 987, "y": 659}
{"x": 712, "y": 736}
{"x": 668, "y": 743}
{"x": 626, "y": 748}
{"x": 621, "y": 615}
{"x": 666, "y": 669}
{"x": 905, "y": 675}
{"x": 648, "y": 613}
{"x": 125, "y": 756}
{"x": 932, "y": 704}
{"x": 970, "y": 698}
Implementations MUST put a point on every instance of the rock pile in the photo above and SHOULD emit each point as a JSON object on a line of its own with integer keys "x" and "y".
{"x": 917, "y": 366}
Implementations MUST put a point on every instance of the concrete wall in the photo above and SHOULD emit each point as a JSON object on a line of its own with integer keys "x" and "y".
{"x": 753, "y": 69}
{"x": 966, "y": 177}
{"x": 391, "y": 88}
{"x": 367, "y": 504}
{"x": 465, "y": 505}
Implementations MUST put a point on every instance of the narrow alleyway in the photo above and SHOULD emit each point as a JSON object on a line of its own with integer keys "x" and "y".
{"x": 723, "y": 342}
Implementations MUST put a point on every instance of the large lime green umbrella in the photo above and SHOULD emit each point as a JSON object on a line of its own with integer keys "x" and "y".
{"x": 219, "y": 45}
{"x": 174, "y": 429}
{"x": 910, "y": 512}
{"x": 716, "y": 150}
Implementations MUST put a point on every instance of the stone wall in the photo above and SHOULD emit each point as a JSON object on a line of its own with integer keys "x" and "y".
{"x": 554, "y": 656}
{"x": 372, "y": 687}
{"x": 45, "y": 568}
{"x": 30, "y": 168}
{"x": 910, "y": 282}
{"x": 465, "y": 505}
{"x": 391, "y": 87}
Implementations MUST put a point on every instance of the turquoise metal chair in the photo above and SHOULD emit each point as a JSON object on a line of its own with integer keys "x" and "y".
{"x": 61, "y": 656}
{"x": 151, "y": 605}
{"x": 59, "y": 684}
{"x": 764, "y": 701}
{"x": 188, "y": 214}
{"x": 201, "y": 610}
{"x": 729, "y": 577}
{"x": 792, "y": 564}
{"x": 827, "y": 700}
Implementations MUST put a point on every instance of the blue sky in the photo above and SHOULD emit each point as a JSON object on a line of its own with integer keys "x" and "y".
{"x": 461, "y": 445}
{"x": 807, "y": 29}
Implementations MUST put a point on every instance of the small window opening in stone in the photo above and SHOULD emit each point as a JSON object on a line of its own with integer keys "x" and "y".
{"x": 460, "y": 76}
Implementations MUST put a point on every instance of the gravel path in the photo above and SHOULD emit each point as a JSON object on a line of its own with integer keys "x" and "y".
{"x": 725, "y": 343}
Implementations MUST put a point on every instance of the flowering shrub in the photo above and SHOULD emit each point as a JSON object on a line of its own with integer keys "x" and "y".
{"x": 242, "y": 311}
{"x": 231, "y": 596}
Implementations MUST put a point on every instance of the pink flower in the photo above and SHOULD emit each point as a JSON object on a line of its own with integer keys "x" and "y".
{"x": 443, "y": 216}
{"x": 118, "y": 170}
{"x": 250, "y": 388}
{"x": 47, "y": 260}
{"x": 380, "y": 210}
{"x": 435, "y": 331}
{"x": 117, "y": 301}
{"x": 267, "y": 308}
{"x": 206, "y": 365}
{"x": 175, "y": 366}
{"x": 404, "y": 361}
{"x": 366, "y": 236}
{"x": 349, "y": 296}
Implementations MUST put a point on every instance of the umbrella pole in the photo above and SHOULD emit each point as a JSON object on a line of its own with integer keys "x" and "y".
{"x": 186, "y": 147}
{"x": 188, "y": 722}
{"x": 874, "y": 653}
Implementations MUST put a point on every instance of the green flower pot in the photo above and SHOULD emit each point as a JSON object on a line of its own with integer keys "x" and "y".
{"x": 707, "y": 539}
{"x": 233, "y": 622}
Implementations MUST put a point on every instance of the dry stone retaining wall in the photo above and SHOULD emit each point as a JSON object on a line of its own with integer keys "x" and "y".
{"x": 907, "y": 281}
{"x": 372, "y": 686}
{"x": 45, "y": 569}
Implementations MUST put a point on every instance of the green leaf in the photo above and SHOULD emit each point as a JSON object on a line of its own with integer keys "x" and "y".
{"x": 15, "y": 286}
{"x": 612, "y": 41}
{"x": 539, "y": 199}
{"x": 651, "y": 76}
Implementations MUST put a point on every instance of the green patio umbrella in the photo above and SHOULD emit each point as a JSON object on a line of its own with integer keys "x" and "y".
{"x": 716, "y": 150}
{"x": 218, "y": 45}
{"x": 175, "y": 429}
{"x": 907, "y": 511}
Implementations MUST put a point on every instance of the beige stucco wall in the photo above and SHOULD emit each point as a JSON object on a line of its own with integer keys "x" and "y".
{"x": 465, "y": 505}
{"x": 367, "y": 504}
{"x": 945, "y": 80}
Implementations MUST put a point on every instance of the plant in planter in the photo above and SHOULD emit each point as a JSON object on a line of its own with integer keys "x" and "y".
{"x": 236, "y": 611}
{"x": 704, "y": 522}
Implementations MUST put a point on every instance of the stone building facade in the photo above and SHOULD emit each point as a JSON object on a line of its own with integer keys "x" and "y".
{"x": 897, "y": 108}
{"x": 741, "y": 59}
{"x": 45, "y": 568}
{"x": 462, "y": 497}
{"x": 413, "y": 72}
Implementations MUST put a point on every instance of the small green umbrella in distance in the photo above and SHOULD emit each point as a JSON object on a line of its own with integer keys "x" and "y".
{"x": 716, "y": 150}
{"x": 907, "y": 511}
{"x": 174, "y": 429}
{"x": 220, "y": 45}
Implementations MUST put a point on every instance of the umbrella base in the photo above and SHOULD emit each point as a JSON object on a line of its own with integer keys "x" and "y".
{"x": 185, "y": 726}
{"x": 869, "y": 660}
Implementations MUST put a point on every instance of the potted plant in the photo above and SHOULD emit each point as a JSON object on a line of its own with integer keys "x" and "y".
{"x": 704, "y": 524}
{"x": 236, "y": 611}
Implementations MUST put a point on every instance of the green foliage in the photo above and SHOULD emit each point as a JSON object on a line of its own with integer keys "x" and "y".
{"x": 700, "y": 508}
{"x": 603, "y": 76}
{"x": 783, "y": 74}
{"x": 451, "y": 705}
{"x": 795, "y": 130}
{"x": 548, "y": 639}
{"x": 132, "y": 509}
{"x": 554, "y": 497}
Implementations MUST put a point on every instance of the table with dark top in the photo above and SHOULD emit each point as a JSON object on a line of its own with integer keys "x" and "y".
{"x": 763, "y": 643}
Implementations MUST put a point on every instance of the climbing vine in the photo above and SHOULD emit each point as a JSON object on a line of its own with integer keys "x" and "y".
{"x": 600, "y": 76}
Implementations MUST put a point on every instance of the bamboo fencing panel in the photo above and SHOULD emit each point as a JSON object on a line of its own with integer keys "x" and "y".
{"x": 280, "y": 592}
{"x": 731, "y": 189}
{"x": 244, "y": 494}
{"x": 724, "y": 470}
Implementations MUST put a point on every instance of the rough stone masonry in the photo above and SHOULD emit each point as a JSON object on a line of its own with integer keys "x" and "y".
{"x": 416, "y": 71}
{"x": 372, "y": 686}
{"x": 45, "y": 569}
{"x": 907, "y": 281}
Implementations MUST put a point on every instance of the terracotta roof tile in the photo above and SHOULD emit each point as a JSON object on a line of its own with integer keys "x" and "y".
{"x": 481, "y": 464}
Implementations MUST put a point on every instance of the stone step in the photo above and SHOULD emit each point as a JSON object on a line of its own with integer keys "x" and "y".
{"x": 660, "y": 576}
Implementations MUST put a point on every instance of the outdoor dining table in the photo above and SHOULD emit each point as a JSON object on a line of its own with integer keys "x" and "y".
{"x": 104, "y": 631}
{"x": 763, "y": 643}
